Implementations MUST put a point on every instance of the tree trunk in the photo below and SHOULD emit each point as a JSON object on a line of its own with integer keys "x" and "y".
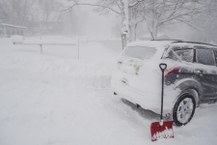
{"x": 154, "y": 28}
{"x": 133, "y": 33}
{"x": 124, "y": 23}
{"x": 155, "y": 31}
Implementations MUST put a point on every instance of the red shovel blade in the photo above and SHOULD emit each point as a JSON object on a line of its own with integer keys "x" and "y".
{"x": 162, "y": 130}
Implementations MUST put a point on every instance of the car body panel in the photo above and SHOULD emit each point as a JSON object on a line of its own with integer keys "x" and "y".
{"x": 139, "y": 81}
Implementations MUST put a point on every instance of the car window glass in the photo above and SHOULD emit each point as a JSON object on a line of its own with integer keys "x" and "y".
{"x": 215, "y": 53}
{"x": 185, "y": 54}
{"x": 182, "y": 54}
{"x": 205, "y": 56}
{"x": 140, "y": 52}
{"x": 171, "y": 55}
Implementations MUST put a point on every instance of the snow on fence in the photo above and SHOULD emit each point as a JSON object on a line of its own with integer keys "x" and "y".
{"x": 43, "y": 43}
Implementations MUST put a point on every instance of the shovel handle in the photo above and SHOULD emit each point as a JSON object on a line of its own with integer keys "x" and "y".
{"x": 163, "y": 66}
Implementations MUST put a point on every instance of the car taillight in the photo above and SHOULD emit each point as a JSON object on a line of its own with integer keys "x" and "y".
{"x": 172, "y": 70}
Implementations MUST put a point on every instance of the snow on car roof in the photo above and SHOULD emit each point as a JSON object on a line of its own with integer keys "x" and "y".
{"x": 196, "y": 43}
{"x": 193, "y": 44}
{"x": 157, "y": 44}
{"x": 163, "y": 42}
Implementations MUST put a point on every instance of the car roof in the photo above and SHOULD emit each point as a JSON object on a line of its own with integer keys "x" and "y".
{"x": 158, "y": 44}
{"x": 194, "y": 43}
{"x": 161, "y": 43}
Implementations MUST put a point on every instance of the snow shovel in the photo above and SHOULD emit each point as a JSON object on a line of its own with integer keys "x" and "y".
{"x": 162, "y": 129}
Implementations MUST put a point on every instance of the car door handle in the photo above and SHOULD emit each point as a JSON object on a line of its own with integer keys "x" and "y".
{"x": 199, "y": 72}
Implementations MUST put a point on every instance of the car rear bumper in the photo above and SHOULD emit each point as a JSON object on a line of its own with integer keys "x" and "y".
{"x": 147, "y": 98}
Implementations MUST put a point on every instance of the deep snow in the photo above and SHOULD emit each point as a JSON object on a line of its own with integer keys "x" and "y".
{"x": 55, "y": 99}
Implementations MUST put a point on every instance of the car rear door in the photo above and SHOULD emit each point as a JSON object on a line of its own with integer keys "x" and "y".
{"x": 206, "y": 71}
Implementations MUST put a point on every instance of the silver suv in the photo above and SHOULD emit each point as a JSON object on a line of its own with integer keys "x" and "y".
{"x": 190, "y": 78}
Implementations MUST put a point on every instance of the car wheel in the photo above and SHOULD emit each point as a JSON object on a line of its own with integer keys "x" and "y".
{"x": 184, "y": 109}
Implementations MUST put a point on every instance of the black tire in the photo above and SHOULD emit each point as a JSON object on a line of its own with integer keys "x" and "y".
{"x": 184, "y": 109}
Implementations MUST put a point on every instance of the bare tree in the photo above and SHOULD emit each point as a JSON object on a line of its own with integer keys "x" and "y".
{"x": 119, "y": 7}
{"x": 14, "y": 11}
{"x": 159, "y": 13}
{"x": 3, "y": 11}
{"x": 50, "y": 10}
{"x": 155, "y": 13}
{"x": 206, "y": 23}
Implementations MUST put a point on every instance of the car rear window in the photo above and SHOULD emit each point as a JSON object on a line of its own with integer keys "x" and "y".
{"x": 140, "y": 52}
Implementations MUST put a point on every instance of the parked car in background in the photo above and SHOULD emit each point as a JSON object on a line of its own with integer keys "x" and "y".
{"x": 190, "y": 78}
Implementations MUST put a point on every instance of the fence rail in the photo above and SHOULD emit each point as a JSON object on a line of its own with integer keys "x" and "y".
{"x": 41, "y": 44}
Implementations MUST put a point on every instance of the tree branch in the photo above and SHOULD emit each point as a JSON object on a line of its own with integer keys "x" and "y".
{"x": 189, "y": 24}
{"x": 135, "y": 3}
{"x": 94, "y": 5}
{"x": 118, "y": 5}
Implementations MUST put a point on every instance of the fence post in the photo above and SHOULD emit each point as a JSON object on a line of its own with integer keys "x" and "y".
{"x": 41, "y": 48}
{"x": 78, "y": 48}
{"x": 124, "y": 40}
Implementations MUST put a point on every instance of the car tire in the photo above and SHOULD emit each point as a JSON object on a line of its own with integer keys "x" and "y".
{"x": 184, "y": 109}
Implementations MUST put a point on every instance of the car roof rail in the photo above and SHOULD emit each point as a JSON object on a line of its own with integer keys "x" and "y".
{"x": 183, "y": 41}
{"x": 174, "y": 40}
{"x": 193, "y": 42}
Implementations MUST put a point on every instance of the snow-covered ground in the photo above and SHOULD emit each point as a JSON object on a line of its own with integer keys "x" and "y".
{"x": 54, "y": 99}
